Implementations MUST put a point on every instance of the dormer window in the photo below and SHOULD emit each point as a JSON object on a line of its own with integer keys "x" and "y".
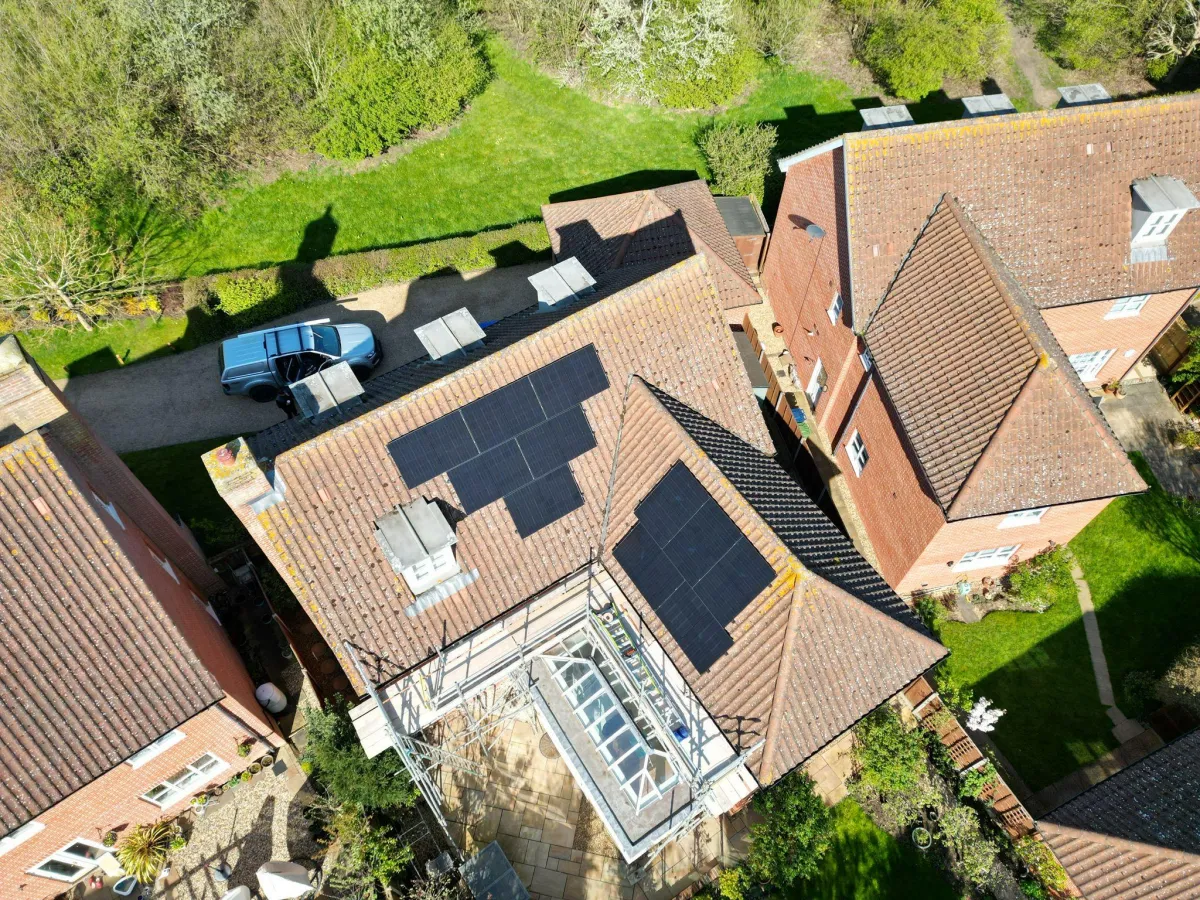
{"x": 419, "y": 543}
{"x": 1159, "y": 203}
{"x": 835, "y": 308}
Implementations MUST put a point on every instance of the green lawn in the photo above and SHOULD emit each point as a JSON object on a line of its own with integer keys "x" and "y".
{"x": 1037, "y": 667}
{"x": 1141, "y": 558}
{"x": 178, "y": 480}
{"x": 72, "y": 351}
{"x": 866, "y": 863}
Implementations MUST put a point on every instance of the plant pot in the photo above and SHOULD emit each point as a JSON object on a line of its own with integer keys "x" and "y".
{"x": 922, "y": 838}
{"x": 267, "y": 761}
{"x": 255, "y": 768}
{"x": 216, "y": 791}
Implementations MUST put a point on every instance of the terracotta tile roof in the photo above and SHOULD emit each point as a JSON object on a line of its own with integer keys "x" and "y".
{"x": 91, "y": 667}
{"x": 660, "y": 226}
{"x": 1046, "y": 189}
{"x": 1137, "y": 833}
{"x": 991, "y": 406}
{"x": 667, "y": 328}
{"x": 825, "y": 644}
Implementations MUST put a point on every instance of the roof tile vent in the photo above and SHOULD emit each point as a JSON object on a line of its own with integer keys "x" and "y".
{"x": 987, "y": 105}
{"x": 564, "y": 282}
{"x": 885, "y": 117}
{"x": 453, "y": 333}
{"x": 1083, "y": 95}
{"x": 1159, "y": 204}
{"x": 327, "y": 392}
{"x": 419, "y": 544}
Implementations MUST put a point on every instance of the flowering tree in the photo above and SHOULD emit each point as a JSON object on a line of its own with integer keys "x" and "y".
{"x": 983, "y": 716}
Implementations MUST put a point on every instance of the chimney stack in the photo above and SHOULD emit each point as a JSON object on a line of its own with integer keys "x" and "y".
{"x": 27, "y": 402}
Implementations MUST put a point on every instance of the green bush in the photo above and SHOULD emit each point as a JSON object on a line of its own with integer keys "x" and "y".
{"x": 1034, "y": 891}
{"x": 1181, "y": 683}
{"x": 1091, "y": 34}
{"x": 343, "y": 769}
{"x": 370, "y": 856}
{"x": 930, "y": 611}
{"x": 680, "y": 87}
{"x": 1042, "y": 577}
{"x": 892, "y": 767}
{"x": 913, "y": 47}
{"x": 377, "y": 99}
{"x": 1138, "y": 693}
{"x": 972, "y": 785}
{"x": 738, "y": 155}
{"x": 238, "y": 294}
{"x": 794, "y": 834}
{"x": 1041, "y": 862}
{"x": 960, "y": 830}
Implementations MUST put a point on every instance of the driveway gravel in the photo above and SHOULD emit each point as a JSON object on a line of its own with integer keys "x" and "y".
{"x": 179, "y": 398}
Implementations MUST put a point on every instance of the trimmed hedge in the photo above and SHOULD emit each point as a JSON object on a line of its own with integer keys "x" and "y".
{"x": 219, "y": 305}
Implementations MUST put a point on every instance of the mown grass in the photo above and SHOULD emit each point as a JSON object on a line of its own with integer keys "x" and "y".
{"x": 866, "y": 863}
{"x": 1036, "y": 666}
{"x": 68, "y": 352}
{"x": 1141, "y": 558}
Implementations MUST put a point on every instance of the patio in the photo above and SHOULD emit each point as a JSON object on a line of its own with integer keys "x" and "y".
{"x": 532, "y": 806}
{"x": 1144, "y": 421}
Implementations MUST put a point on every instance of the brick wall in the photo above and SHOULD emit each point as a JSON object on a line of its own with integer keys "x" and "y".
{"x": 1082, "y": 328}
{"x": 802, "y": 275}
{"x": 930, "y": 570}
{"x": 899, "y": 514}
{"x": 113, "y": 801}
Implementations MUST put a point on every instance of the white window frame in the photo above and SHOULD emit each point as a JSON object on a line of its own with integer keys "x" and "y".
{"x": 182, "y": 783}
{"x": 835, "y": 308}
{"x": 85, "y": 865}
{"x": 1127, "y": 307}
{"x": 1157, "y": 227}
{"x": 986, "y": 559}
{"x": 19, "y": 836}
{"x": 856, "y": 450}
{"x": 815, "y": 389}
{"x": 110, "y": 508}
{"x": 162, "y": 745}
{"x": 866, "y": 359}
{"x": 1024, "y": 517}
{"x": 1088, "y": 365}
{"x": 161, "y": 559}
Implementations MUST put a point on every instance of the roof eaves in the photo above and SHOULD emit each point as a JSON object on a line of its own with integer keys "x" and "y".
{"x": 786, "y": 162}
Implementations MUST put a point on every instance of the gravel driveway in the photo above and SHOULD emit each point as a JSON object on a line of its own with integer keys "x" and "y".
{"x": 179, "y": 398}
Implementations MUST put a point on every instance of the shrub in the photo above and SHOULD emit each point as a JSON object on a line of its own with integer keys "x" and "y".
{"x": 732, "y": 884}
{"x": 1187, "y": 438}
{"x": 738, "y": 155}
{"x": 369, "y": 857}
{"x": 244, "y": 746}
{"x": 1042, "y": 576}
{"x": 955, "y": 695}
{"x": 776, "y": 27}
{"x": 340, "y": 765}
{"x": 1034, "y": 891}
{"x": 913, "y": 47}
{"x": 959, "y": 830}
{"x": 892, "y": 767}
{"x": 1090, "y": 34}
{"x": 974, "y": 784}
{"x": 679, "y": 86}
{"x": 239, "y": 294}
{"x": 1181, "y": 684}
{"x": 144, "y": 849}
{"x": 930, "y": 611}
{"x": 376, "y": 99}
{"x": 1042, "y": 862}
{"x": 795, "y": 834}
{"x": 1139, "y": 689}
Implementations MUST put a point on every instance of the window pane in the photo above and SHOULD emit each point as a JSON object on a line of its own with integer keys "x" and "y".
{"x": 155, "y": 794}
{"x": 60, "y": 868}
{"x": 206, "y": 763}
{"x": 84, "y": 851}
{"x": 583, "y": 690}
{"x": 624, "y": 742}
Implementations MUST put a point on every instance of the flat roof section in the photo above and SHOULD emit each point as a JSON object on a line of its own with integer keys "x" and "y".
{"x": 741, "y": 216}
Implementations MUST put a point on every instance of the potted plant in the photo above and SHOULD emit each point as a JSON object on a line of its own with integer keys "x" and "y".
{"x": 254, "y": 768}
{"x": 267, "y": 761}
{"x": 244, "y": 777}
{"x": 199, "y": 803}
{"x": 143, "y": 850}
{"x": 922, "y": 838}
{"x": 109, "y": 839}
{"x": 244, "y": 746}
{"x": 1185, "y": 439}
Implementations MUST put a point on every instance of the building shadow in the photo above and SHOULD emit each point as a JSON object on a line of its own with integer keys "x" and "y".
{"x": 641, "y": 180}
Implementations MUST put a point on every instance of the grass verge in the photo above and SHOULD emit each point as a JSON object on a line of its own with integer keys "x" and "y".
{"x": 866, "y": 863}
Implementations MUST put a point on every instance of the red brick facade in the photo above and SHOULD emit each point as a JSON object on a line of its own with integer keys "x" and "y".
{"x": 115, "y": 801}
{"x": 906, "y": 526}
{"x": 1083, "y": 328}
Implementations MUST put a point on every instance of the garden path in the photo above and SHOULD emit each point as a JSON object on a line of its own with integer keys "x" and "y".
{"x": 1033, "y": 63}
{"x": 1123, "y": 727}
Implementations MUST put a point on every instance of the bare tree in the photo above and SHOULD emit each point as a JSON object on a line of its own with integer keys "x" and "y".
{"x": 55, "y": 273}
{"x": 307, "y": 28}
{"x": 1176, "y": 34}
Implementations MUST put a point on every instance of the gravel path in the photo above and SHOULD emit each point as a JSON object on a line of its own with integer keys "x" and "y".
{"x": 245, "y": 828}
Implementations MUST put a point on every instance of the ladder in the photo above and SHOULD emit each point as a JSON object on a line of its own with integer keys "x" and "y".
{"x": 613, "y": 623}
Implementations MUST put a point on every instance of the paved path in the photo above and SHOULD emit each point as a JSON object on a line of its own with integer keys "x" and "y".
{"x": 1123, "y": 728}
{"x": 179, "y": 398}
{"x": 1144, "y": 420}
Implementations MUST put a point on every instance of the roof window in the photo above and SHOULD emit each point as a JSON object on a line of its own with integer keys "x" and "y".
{"x": 454, "y": 333}
{"x": 885, "y": 117}
{"x": 562, "y": 283}
{"x": 987, "y": 105}
{"x": 1159, "y": 203}
{"x": 326, "y": 392}
{"x": 419, "y": 543}
{"x": 1083, "y": 95}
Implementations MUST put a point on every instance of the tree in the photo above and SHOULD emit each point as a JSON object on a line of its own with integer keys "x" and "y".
{"x": 794, "y": 834}
{"x": 54, "y": 273}
{"x": 973, "y": 853}
{"x": 369, "y": 856}
{"x": 337, "y": 760}
{"x": 738, "y": 155}
{"x": 892, "y": 767}
{"x": 308, "y": 30}
{"x": 1176, "y": 33}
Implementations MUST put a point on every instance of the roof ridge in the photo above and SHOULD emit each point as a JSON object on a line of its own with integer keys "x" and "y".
{"x": 619, "y": 256}
{"x": 900, "y": 268}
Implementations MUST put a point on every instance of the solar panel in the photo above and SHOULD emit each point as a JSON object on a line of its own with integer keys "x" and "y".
{"x": 432, "y": 449}
{"x": 700, "y": 636}
{"x": 503, "y": 413}
{"x": 673, "y": 501}
{"x": 702, "y": 541}
{"x": 543, "y": 501}
{"x": 737, "y": 578}
{"x": 569, "y": 381}
{"x": 557, "y": 441}
{"x": 643, "y": 562}
{"x": 490, "y": 476}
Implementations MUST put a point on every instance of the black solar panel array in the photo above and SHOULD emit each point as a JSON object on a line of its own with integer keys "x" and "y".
{"x": 515, "y": 443}
{"x": 692, "y": 564}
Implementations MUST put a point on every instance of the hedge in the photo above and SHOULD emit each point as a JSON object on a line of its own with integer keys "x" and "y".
{"x": 223, "y": 304}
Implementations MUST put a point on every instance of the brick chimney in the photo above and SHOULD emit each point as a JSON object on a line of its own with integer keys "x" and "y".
{"x": 27, "y": 402}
